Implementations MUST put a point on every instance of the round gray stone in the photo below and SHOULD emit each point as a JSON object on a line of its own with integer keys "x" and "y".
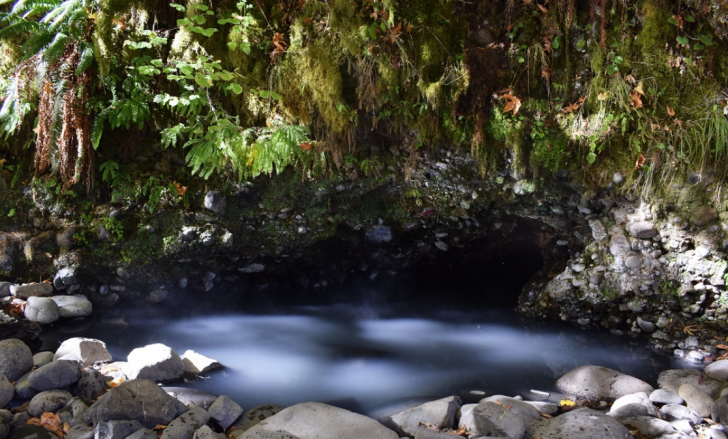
{"x": 55, "y": 375}
{"x": 15, "y": 358}
{"x": 185, "y": 425}
{"x": 662, "y": 396}
{"x": 580, "y": 424}
{"x": 48, "y": 401}
{"x": 596, "y": 382}
{"x": 7, "y": 391}
{"x": 73, "y": 306}
{"x": 43, "y": 310}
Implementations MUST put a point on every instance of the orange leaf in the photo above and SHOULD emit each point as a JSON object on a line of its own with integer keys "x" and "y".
{"x": 49, "y": 421}
{"x": 180, "y": 189}
{"x": 462, "y": 431}
{"x": 670, "y": 111}
{"x": 722, "y": 346}
{"x": 678, "y": 122}
{"x": 159, "y": 427}
{"x": 513, "y": 104}
{"x": 546, "y": 73}
{"x": 640, "y": 162}
{"x": 542, "y": 9}
{"x": 306, "y": 146}
{"x": 636, "y": 100}
{"x": 508, "y": 407}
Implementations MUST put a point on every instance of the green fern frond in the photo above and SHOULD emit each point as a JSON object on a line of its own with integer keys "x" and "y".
{"x": 56, "y": 48}
{"x": 37, "y": 41}
{"x": 86, "y": 58}
{"x": 56, "y": 125}
{"x": 11, "y": 110}
{"x": 17, "y": 28}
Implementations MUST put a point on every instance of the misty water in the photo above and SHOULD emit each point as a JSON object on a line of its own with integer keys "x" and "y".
{"x": 365, "y": 356}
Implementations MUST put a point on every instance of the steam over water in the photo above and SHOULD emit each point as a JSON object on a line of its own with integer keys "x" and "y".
{"x": 365, "y": 358}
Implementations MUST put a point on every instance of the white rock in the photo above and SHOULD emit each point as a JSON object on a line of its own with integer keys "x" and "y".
{"x": 198, "y": 363}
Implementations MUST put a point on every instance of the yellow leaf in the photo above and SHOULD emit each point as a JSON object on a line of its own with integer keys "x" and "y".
{"x": 670, "y": 111}
{"x": 566, "y": 403}
{"x": 639, "y": 89}
{"x": 603, "y": 96}
{"x": 542, "y": 9}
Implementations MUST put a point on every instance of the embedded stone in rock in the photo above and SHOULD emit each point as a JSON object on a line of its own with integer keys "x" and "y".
{"x": 440, "y": 413}
{"x": 528, "y": 413}
{"x": 86, "y": 351}
{"x": 198, "y": 363}
{"x": 662, "y": 396}
{"x": 619, "y": 244}
{"x": 633, "y": 262}
{"x": 215, "y": 201}
{"x": 674, "y": 378}
{"x": 649, "y": 426}
{"x": 315, "y": 420}
{"x": 379, "y": 234}
{"x": 43, "y": 310}
{"x": 91, "y": 385}
{"x": 185, "y": 425}
{"x": 140, "y": 400}
{"x": 7, "y": 391}
{"x": 718, "y": 369}
{"x": 642, "y": 230}
{"x": 116, "y": 429}
{"x": 491, "y": 419}
{"x": 225, "y": 411}
{"x": 704, "y": 216}
{"x": 673, "y": 412}
{"x": 636, "y": 404}
{"x": 696, "y": 399}
{"x": 55, "y": 375}
{"x": 154, "y": 362}
{"x": 30, "y": 290}
{"x": 64, "y": 278}
{"x": 48, "y": 401}
{"x": 255, "y": 415}
{"x": 580, "y": 424}
{"x": 73, "y": 306}
{"x": 596, "y": 382}
{"x": 15, "y": 358}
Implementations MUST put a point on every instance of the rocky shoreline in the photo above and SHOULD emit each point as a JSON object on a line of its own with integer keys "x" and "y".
{"x": 80, "y": 392}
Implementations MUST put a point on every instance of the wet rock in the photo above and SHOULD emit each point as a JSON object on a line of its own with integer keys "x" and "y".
{"x": 440, "y": 413}
{"x": 91, "y": 385}
{"x": 718, "y": 369}
{"x": 140, "y": 400}
{"x": 252, "y": 268}
{"x": 379, "y": 234}
{"x": 55, "y": 375}
{"x": 185, "y": 425}
{"x": 595, "y": 382}
{"x": 42, "y": 358}
{"x": 662, "y": 396}
{"x": 673, "y": 412}
{"x": 31, "y": 290}
{"x": 579, "y": 424}
{"x": 255, "y": 415}
{"x": 73, "y": 306}
{"x": 674, "y": 378}
{"x": 527, "y": 412}
{"x": 7, "y": 391}
{"x": 158, "y": 295}
{"x": 15, "y": 358}
{"x": 198, "y": 363}
{"x": 144, "y": 433}
{"x": 23, "y": 389}
{"x": 215, "y": 201}
{"x": 80, "y": 431}
{"x": 116, "y": 429}
{"x": 191, "y": 396}
{"x": 86, "y": 351}
{"x": 64, "y": 278}
{"x": 48, "y": 401}
{"x": 123, "y": 273}
{"x": 649, "y": 426}
{"x": 154, "y": 362}
{"x": 311, "y": 419}
{"x": 225, "y": 411}
{"x": 636, "y": 404}
{"x": 31, "y": 432}
{"x": 696, "y": 399}
{"x": 73, "y": 413}
{"x": 42, "y": 310}
{"x": 103, "y": 233}
{"x": 642, "y": 230}
{"x": 491, "y": 419}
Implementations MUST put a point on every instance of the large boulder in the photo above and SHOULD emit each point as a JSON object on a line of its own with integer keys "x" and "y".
{"x": 140, "y": 400}
{"x": 86, "y": 351}
{"x": 15, "y": 358}
{"x": 55, "y": 375}
{"x": 580, "y": 424}
{"x": 154, "y": 362}
{"x": 43, "y": 310}
{"x": 674, "y": 378}
{"x": 255, "y": 415}
{"x": 596, "y": 382}
{"x": 312, "y": 420}
{"x": 440, "y": 413}
{"x": 197, "y": 363}
{"x": 185, "y": 425}
{"x": 48, "y": 401}
{"x": 26, "y": 291}
{"x": 528, "y": 412}
{"x": 491, "y": 419}
{"x": 718, "y": 369}
{"x": 225, "y": 411}
{"x": 71, "y": 307}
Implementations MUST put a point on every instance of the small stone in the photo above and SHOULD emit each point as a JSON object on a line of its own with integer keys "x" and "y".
{"x": 642, "y": 230}
{"x": 252, "y": 268}
{"x": 48, "y": 401}
{"x": 158, "y": 295}
{"x": 662, "y": 396}
{"x": 215, "y": 202}
{"x": 42, "y": 358}
{"x": 225, "y": 411}
{"x": 633, "y": 262}
{"x": 618, "y": 178}
{"x": 672, "y": 412}
{"x": 55, "y": 375}
{"x": 16, "y": 358}
{"x": 122, "y": 273}
{"x": 86, "y": 351}
{"x": 645, "y": 325}
{"x": 73, "y": 306}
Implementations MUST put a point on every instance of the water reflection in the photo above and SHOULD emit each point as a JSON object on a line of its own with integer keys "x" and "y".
{"x": 363, "y": 360}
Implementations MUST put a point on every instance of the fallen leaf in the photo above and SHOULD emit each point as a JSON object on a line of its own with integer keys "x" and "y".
{"x": 636, "y": 100}
{"x": 547, "y": 416}
{"x": 640, "y": 88}
{"x": 159, "y": 427}
{"x": 513, "y": 104}
{"x": 180, "y": 189}
{"x": 566, "y": 403}
{"x": 546, "y": 73}
{"x": 640, "y": 162}
{"x": 630, "y": 79}
{"x": 678, "y": 122}
{"x": 603, "y": 96}
{"x": 21, "y": 408}
{"x": 670, "y": 111}
{"x": 49, "y": 421}
{"x": 306, "y": 146}
{"x": 429, "y": 426}
{"x": 508, "y": 407}
{"x": 722, "y": 346}
{"x": 462, "y": 431}
{"x": 542, "y": 9}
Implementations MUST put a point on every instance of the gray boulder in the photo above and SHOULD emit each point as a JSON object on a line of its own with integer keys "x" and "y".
{"x": 312, "y": 420}
{"x": 205, "y": 432}
{"x": 674, "y": 378}
{"x": 649, "y": 426}
{"x": 719, "y": 410}
{"x": 144, "y": 433}
{"x": 642, "y": 230}
{"x": 64, "y": 278}
{"x": 15, "y": 358}
{"x": 527, "y": 412}
{"x": 425, "y": 433}
{"x": 86, "y": 351}
{"x": 140, "y": 400}
{"x": 42, "y": 358}
{"x": 116, "y": 429}
{"x": 191, "y": 396}
{"x": 255, "y": 415}
{"x": 718, "y": 369}
{"x": 696, "y": 399}
{"x": 55, "y": 375}
{"x": 91, "y": 385}
{"x": 23, "y": 388}
{"x": 71, "y": 307}
{"x": 4, "y": 288}
{"x": 674, "y": 412}
{"x": 215, "y": 201}
{"x": 225, "y": 411}
{"x": 636, "y": 404}
{"x": 7, "y": 391}
{"x": 154, "y": 362}
{"x": 185, "y": 425}
{"x": 491, "y": 419}
{"x": 580, "y": 424}
{"x": 198, "y": 363}
{"x": 663, "y": 396}
{"x": 48, "y": 401}
{"x": 31, "y": 290}
{"x": 440, "y": 413}
{"x": 74, "y": 411}
{"x": 43, "y": 310}
{"x": 31, "y": 432}
{"x": 596, "y": 382}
